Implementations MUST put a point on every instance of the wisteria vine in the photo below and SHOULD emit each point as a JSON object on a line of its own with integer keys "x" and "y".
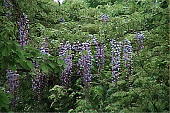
{"x": 13, "y": 81}
{"x": 127, "y": 57}
{"x": 119, "y": 50}
{"x": 23, "y": 24}
{"x": 85, "y": 62}
{"x": 100, "y": 54}
{"x": 38, "y": 83}
{"x": 65, "y": 53}
{"x": 13, "y": 84}
{"x": 116, "y": 57}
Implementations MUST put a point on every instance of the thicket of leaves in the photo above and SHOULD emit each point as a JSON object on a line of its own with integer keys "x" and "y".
{"x": 77, "y": 20}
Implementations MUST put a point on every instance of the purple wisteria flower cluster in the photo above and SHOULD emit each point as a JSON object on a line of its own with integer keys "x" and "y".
{"x": 13, "y": 85}
{"x": 127, "y": 56}
{"x": 140, "y": 40}
{"x": 65, "y": 53}
{"x": 82, "y": 51}
{"x": 13, "y": 81}
{"x": 23, "y": 24}
{"x": 85, "y": 62}
{"x": 116, "y": 57}
{"x": 104, "y": 18}
{"x": 77, "y": 46}
{"x": 100, "y": 54}
{"x": 38, "y": 83}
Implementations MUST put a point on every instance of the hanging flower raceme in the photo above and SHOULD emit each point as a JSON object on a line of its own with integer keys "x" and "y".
{"x": 140, "y": 40}
{"x": 99, "y": 55}
{"x": 116, "y": 51}
{"x": 13, "y": 81}
{"x": 13, "y": 84}
{"x": 127, "y": 57}
{"x": 23, "y": 29}
{"x": 38, "y": 83}
{"x": 85, "y": 62}
{"x": 65, "y": 53}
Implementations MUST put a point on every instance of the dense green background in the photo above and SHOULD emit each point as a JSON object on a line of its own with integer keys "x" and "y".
{"x": 150, "y": 81}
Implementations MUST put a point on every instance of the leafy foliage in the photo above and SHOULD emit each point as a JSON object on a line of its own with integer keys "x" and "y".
{"x": 78, "y": 21}
{"x": 4, "y": 101}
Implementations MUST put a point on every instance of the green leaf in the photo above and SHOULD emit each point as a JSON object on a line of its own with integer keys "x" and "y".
{"x": 5, "y": 51}
{"x": 61, "y": 62}
{"x": 44, "y": 68}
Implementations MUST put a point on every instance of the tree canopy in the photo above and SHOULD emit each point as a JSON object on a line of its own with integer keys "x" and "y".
{"x": 84, "y": 56}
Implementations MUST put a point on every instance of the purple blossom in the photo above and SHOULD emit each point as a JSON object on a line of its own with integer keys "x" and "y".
{"x": 104, "y": 18}
{"x": 65, "y": 53}
{"x": 85, "y": 62}
{"x": 23, "y": 29}
{"x": 116, "y": 56}
{"x": 99, "y": 55}
{"x": 13, "y": 81}
{"x": 38, "y": 83}
{"x": 76, "y": 47}
{"x": 127, "y": 56}
{"x": 13, "y": 85}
